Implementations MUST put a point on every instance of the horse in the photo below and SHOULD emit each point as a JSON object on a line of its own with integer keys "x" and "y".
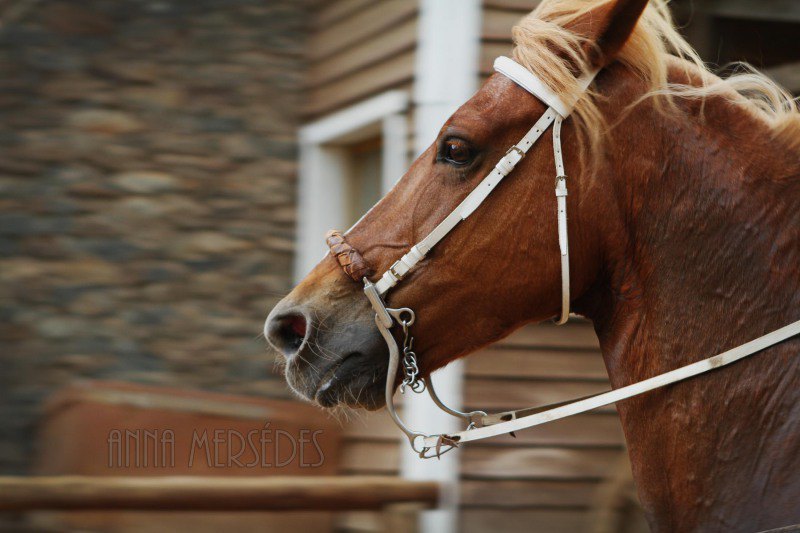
{"x": 684, "y": 231}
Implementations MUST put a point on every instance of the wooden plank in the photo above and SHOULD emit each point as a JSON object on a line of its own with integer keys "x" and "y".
{"x": 536, "y": 363}
{"x": 193, "y": 493}
{"x": 333, "y": 11}
{"x": 358, "y": 521}
{"x": 525, "y": 6}
{"x": 402, "y": 518}
{"x": 376, "y": 425}
{"x": 490, "y": 50}
{"x": 391, "y": 73}
{"x": 364, "y": 457}
{"x": 530, "y": 520}
{"x": 367, "y": 23}
{"x": 572, "y": 335}
{"x": 493, "y": 462}
{"x": 396, "y": 40}
{"x": 500, "y": 394}
{"x": 497, "y": 23}
{"x": 523, "y": 493}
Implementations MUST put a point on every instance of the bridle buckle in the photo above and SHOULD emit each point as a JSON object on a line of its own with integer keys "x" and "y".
{"x": 517, "y": 149}
{"x": 398, "y": 276}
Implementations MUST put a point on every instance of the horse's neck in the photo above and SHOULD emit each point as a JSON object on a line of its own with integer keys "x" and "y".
{"x": 708, "y": 257}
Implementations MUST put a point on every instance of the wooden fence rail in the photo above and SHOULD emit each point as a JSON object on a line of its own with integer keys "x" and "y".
{"x": 190, "y": 493}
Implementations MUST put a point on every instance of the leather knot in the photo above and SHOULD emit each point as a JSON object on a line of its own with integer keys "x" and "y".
{"x": 348, "y": 257}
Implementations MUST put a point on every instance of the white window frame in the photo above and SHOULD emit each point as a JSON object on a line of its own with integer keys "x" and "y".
{"x": 322, "y": 187}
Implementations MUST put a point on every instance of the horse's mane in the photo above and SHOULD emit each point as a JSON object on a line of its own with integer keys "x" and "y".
{"x": 545, "y": 45}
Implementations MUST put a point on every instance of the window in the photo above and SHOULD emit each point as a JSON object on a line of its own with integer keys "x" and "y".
{"x": 364, "y": 177}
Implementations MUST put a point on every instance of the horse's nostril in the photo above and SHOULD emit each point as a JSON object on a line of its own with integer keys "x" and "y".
{"x": 287, "y": 332}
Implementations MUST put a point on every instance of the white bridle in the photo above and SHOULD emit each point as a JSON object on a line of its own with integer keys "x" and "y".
{"x": 557, "y": 111}
{"x": 482, "y": 425}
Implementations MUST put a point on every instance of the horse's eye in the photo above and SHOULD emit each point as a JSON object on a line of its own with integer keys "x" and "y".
{"x": 457, "y": 152}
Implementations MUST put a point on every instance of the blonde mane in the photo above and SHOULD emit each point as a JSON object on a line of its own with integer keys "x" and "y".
{"x": 544, "y": 45}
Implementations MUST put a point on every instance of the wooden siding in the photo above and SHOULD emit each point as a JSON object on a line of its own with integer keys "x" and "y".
{"x": 497, "y": 23}
{"x": 370, "y": 446}
{"x": 358, "y": 49}
{"x": 547, "y": 478}
{"x": 523, "y": 6}
{"x": 499, "y": 16}
{"x": 528, "y": 520}
{"x": 490, "y": 50}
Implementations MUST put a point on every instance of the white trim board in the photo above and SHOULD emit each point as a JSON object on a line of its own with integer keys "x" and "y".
{"x": 341, "y": 123}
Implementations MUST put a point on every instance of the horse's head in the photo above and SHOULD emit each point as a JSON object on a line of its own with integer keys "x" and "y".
{"x": 496, "y": 270}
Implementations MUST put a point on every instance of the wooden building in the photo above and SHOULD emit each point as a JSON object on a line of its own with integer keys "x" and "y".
{"x": 148, "y": 175}
{"x": 380, "y": 82}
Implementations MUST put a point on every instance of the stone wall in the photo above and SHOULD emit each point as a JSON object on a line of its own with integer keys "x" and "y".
{"x": 147, "y": 193}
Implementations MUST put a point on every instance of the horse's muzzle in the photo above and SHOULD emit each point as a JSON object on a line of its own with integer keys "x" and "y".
{"x": 332, "y": 357}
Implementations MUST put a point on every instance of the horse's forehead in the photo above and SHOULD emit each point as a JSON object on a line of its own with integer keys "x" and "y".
{"x": 499, "y": 97}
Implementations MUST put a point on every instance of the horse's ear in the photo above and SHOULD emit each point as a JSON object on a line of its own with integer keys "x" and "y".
{"x": 607, "y": 27}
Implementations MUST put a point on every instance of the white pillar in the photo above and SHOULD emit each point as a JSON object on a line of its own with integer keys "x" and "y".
{"x": 446, "y": 77}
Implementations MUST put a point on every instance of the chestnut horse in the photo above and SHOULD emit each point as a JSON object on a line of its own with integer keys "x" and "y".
{"x": 684, "y": 229}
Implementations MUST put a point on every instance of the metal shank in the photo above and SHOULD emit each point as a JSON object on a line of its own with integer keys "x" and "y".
{"x": 384, "y": 319}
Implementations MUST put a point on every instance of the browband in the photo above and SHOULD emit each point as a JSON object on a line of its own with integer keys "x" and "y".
{"x": 531, "y": 83}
